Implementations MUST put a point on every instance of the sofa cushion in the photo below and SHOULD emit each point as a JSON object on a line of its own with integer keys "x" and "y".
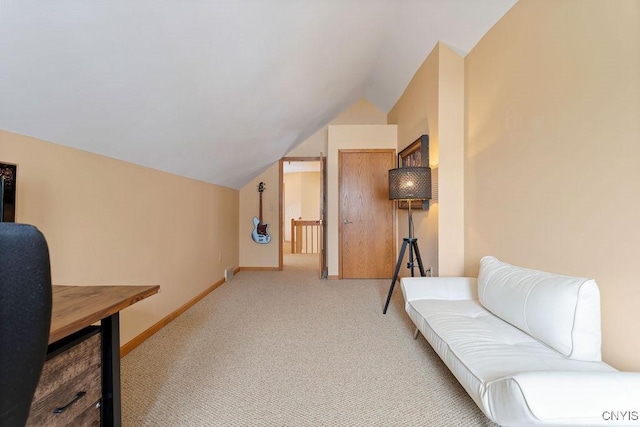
{"x": 561, "y": 311}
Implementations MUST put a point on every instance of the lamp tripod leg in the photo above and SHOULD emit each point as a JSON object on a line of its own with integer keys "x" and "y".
{"x": 410, "y": 265}
{"x": 414, "y": 243}
{"x": 395, "y": 274}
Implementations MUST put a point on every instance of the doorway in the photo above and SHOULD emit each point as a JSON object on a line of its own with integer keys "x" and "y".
{"x": 302, "y": 214}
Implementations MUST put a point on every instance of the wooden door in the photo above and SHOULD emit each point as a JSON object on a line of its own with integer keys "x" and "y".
{"x": 323, "y": 223}
{"x": 366, "y": 214}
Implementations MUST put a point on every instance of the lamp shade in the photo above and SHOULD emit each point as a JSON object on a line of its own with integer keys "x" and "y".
{"x": 411, "y": 183}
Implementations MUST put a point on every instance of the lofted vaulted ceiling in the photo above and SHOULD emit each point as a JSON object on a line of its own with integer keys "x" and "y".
{"x": 210, "y": 89}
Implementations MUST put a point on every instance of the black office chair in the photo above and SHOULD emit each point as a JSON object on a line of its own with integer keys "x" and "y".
{"x": 25, "y": 318}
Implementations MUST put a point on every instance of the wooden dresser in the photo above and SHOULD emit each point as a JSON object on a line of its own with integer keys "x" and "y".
{"x": 80, "y": 381}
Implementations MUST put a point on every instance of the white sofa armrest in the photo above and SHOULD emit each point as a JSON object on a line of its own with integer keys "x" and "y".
{"x": 441, "y": 288}
{"x": 555, "y": 397}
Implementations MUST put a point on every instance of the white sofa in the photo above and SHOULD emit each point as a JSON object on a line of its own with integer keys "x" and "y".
{"x": 525, "y": 345}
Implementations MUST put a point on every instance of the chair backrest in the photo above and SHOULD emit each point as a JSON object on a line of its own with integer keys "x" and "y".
{"x": 25, "y": 318}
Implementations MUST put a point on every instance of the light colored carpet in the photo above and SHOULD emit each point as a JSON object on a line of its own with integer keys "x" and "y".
{"x": 288, "y": 349}
{"x": 301, "y": 262}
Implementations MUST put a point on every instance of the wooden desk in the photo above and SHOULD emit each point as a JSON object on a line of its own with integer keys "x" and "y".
{"x": 76, "y": 308}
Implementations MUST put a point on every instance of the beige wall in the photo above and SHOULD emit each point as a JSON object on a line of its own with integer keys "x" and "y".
{"x": 292, "y": 203}
{"x": 112, "y": 222}
{"x": 254, "y": 254}
{"x": 433, "y": 104}
{"x": 301, "y": 198}
{"x": 450, "y": 163}
{"x": 348, "y": 137}
{"x": 552, "y": 173}
{"x": 310, "y": 196}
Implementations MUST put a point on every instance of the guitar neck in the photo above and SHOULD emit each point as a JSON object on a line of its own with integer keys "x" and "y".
{"x": 260, "y": 208}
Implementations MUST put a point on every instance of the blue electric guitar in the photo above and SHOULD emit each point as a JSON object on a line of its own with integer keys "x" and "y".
{"x": 260, "y": 233}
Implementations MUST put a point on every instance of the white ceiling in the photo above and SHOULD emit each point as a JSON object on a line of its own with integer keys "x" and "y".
{"x": 210, "y": 89}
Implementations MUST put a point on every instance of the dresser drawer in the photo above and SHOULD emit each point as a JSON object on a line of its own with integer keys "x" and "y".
{"x": 70, "y": 384}
{"x": 90, "y": 417}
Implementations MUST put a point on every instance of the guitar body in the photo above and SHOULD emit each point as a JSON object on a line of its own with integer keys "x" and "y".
{"x": 260, "y": 233}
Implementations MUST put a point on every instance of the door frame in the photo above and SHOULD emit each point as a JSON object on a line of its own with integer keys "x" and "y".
{"x": 323, "y": 196}
{"x": 394, "y": 218}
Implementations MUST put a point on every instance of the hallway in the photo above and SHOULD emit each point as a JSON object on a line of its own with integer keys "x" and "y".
{"x": 298, "y": 261}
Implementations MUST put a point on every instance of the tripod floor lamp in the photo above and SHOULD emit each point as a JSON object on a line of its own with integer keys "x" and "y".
{"x": 409, "y": 183}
